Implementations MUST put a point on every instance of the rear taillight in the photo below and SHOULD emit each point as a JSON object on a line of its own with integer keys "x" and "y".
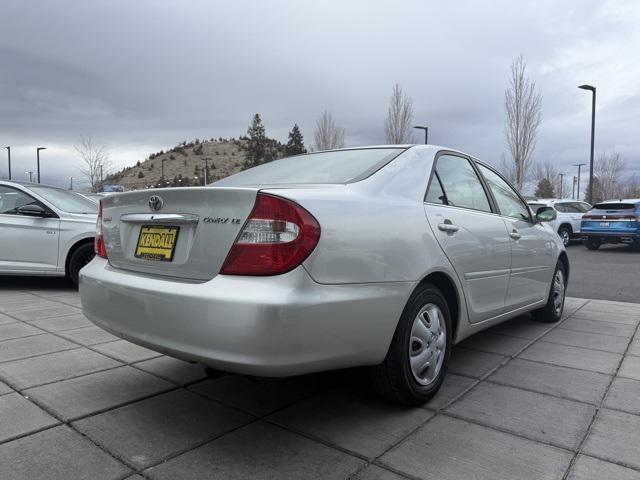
{"x": 99, "y": 246}
{"x": 277, "y": 237}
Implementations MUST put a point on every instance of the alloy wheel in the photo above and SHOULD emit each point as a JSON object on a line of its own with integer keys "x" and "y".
{"x": 558, "y": 291}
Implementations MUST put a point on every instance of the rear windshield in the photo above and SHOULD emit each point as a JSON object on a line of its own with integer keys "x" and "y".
{"x": 64, "y": 200}
{"x": 615, "y": 206}
{"x": 338, "y": 166}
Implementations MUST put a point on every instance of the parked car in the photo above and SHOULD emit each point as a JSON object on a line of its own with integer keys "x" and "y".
{"x": 613, "y": 221}
{"x": 569, "y": 215}
{"x": 44, "y": 230}
{"x": 381, "y": 256}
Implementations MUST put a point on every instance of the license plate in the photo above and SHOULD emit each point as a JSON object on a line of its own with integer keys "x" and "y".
{"x": 157, "y": 242}
{"x": 604, "y": 224}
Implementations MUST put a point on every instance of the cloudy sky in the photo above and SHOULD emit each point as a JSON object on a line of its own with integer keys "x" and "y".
{"x": 139, "y": 76}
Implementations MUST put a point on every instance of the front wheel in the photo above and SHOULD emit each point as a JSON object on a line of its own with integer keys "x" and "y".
{"x": 82, "y": 255}
{"x": 552, "y": 311}
{"x": 565, "y": 235}
{"x": 418, "y": 356}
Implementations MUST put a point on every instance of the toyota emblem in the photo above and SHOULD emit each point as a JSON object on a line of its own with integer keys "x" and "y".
{"x": 155, "y": 202}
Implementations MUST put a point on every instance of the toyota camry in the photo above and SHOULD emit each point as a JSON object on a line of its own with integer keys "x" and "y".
{"x": 383, "y": 257}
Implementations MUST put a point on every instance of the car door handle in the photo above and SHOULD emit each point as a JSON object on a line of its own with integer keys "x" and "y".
{"x": 515, "y": 235}
{"x": 448, "y": 227}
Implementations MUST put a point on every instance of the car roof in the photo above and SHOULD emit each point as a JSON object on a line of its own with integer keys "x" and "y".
{"x": 622, "y": 200}
{"x": 28, "y": 184}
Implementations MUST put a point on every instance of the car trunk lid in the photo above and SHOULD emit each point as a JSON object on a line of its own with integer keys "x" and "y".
{"x": 178, "y": 232}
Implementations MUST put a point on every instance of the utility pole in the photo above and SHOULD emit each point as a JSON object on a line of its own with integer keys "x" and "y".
{"x": 573, "y": 191}
{"x": 30, "y": 176}
{"x": 579, "y": 165}
{"x": 38, "y": 158}
{"x": 9, "y": 158}
{"x": 561, "y": 183}
{"x": 70, "y": 183}
{"x": 206, "y": 167}
{"x": 426, "y": 133}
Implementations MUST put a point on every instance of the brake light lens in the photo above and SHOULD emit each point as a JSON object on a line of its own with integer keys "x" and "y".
{"x": 98, "y": 244}
{"x": 277, "y": 237}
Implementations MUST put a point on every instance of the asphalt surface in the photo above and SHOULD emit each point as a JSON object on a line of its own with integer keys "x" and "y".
{"x": 610, "y": 273}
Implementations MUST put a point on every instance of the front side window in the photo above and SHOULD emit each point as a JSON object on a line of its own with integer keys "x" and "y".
{"x": 506, "y": 197}
{"x": 11, "y": 200}
{"x": 458, "y": 186}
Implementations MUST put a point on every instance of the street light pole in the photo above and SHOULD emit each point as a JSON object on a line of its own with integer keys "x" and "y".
{"x": 573, "y": 188}
{"x": 9, "y": 158}
{"x": 30, "y": 176}
{"x": 561, "y": 183}
{"x": 38, "y": 157}
{"x": 579, "y": 165}
{"x": 162, "y": 168}
{"x": 426, "y": 133}
{"x": 70, "y": 183}
{"x": 206, "y": 167}
{"x": 592, "y": 89}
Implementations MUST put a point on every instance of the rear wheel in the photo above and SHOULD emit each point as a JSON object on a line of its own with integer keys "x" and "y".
{"x": 552, "y": 311}
{"x": 418, "y": 356}
{"x": 591, "y": 244}
{"x": 80, "y": 257}
{"x": 565, "y": 233}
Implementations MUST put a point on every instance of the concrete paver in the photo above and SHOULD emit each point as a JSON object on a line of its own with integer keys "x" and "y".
{"x": 57, "y": 454}
{"x": 472, "y": 363}
{"x": 614, "y": 437}
{"x": 172, "y": 369}
{"x": 125, "y": 351}
{"x": 630, "y": 368}
{"x": 34, "y": 345}
{"x": 59, "y": 324}
{"x": 9, "y": 331}
{"x": 624, "y": 394}
{"x": 595, "y": 341}
{"x": 574, "y": 357}
{"x": 451, "y": 449}
{"x": 259, "y": 451}
{"x": 18, "y": 417}
{"x": 149, "y": 431}
{"x": 589, "y": 468}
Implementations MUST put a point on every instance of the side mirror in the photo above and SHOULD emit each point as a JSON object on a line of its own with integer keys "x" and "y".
{"x": 546, "y": 214}
{"x": 32, "y": 210}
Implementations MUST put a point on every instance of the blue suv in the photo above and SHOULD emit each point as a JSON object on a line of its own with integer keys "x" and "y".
{"x": 613, "y": 221}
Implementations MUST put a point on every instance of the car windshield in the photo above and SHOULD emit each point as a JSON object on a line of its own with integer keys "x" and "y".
{"x": 64, "y": 200}
{"x": 338, "y": 166}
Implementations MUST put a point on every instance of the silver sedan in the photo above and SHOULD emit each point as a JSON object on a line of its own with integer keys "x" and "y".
{"x": 381, "y": 256}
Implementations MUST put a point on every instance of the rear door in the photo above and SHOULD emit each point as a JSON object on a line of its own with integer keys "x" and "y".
{"x": 531, "y": 250}
{"x": 27, "y": 244}
{"x": 472, "y": 236}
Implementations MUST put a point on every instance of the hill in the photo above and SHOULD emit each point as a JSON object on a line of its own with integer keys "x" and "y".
{"x": 185, "y": 164}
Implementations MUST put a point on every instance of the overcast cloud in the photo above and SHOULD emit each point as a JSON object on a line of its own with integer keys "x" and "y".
{"x": 139, "y": 76}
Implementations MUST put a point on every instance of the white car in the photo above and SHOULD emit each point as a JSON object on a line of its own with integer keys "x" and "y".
{"x": 569, "y": 216}
{"x": 382, "y": 257}
{"x": 45, "y": 230}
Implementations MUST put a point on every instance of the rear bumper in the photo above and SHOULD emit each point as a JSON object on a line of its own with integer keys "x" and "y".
{"x": 265, "y": 326}
{"x": 608, "y": 237}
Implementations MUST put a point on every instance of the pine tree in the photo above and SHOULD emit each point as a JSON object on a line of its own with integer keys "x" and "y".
{"x": 544, "y": 189}
{"x": 256, "y": 143}
{"x": 295, "y": 145}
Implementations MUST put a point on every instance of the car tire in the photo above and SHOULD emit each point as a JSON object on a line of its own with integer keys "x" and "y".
{"x": 565, "y": 234}
{"x": 424, "y": 331}
{"x": 79, "y": 258}
{"x": 591, "y": 244}
{"x": 552, "y": 311}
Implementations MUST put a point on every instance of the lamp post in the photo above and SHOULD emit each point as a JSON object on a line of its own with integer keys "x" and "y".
{"x": 30, "y": 176}
{"x": 573, "y": 190}
{"x": 70, "y": 183}
{"x": 38, "y": 158}
{"x": 162, "y": 168}
{"x": 561, "y": 183}
{"x": 579, "y": 165}
{"x": 592, "y": 89}
{"x": 426, "y": 133}
{"x": 9, "y": 159}
{"x": 206, "y": 167}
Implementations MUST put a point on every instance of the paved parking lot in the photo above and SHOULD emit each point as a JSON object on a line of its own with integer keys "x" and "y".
{"x": 523, "y": 400}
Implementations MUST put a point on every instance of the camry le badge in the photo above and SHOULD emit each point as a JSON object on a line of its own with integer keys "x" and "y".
{"x": 155, "y": 202}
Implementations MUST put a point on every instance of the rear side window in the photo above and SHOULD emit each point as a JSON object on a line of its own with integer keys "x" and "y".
{"x": 456, "y": 183}
{"x": 12, "y": 199}
{"x": 562, "y": 207}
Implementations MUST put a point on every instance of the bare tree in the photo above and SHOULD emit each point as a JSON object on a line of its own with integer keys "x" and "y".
{"x": 96, "y": 161}
{"x": 631, "y": 187}
{"x": 397, "y": 126}
{"x": 607, "y": 172}
{"x": 328, "y": 133}
{"x": 523, "y": 105}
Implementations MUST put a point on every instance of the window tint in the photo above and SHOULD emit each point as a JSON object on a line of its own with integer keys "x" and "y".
{"x": 506, "y": 197}
{"x": 461, "y": 185}
{"x": 435, "y": 194}
{"x": 583, "y": 207}
{"x": 562, "y": 207}
{"x": 12, "y": 199}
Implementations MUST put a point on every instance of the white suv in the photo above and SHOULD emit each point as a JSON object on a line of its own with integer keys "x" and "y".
{"x": 567, "y": 222}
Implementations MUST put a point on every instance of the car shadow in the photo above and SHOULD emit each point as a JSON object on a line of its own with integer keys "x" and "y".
{"x": 52, "y": 284}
